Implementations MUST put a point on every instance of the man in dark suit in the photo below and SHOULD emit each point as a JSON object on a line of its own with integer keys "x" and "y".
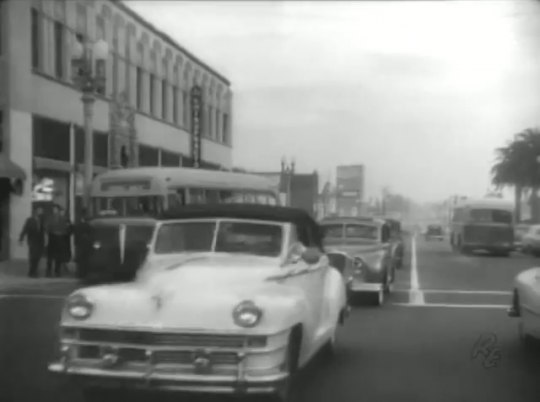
{"x": 34, "y": 232}
{"x": 57, "y": 228}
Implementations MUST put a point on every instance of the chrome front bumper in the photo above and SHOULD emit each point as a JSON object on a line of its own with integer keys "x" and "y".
{"x": 218, "y": 384}
{"x": 252, "y": 370}
{"x": 366, "y": 287}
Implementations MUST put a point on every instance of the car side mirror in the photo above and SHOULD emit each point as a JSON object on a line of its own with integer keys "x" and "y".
{"x": 311, "y": 256}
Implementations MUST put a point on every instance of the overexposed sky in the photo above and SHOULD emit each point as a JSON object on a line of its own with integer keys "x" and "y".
{"x": 419, "y": 92}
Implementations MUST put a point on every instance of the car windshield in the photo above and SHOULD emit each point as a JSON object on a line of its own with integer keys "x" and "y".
{"x": 361, "y": 231}
{"x": 227, "y": 236}
{"x": 332, "y": 230}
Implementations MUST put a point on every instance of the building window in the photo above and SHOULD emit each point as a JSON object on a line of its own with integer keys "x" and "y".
{"x": 170, "y": 159}
{"x": 100, "y": 28}
{"x": 175, "y": 104}
{"x": 210, "y": 120}
{"x": 116, "y": 63}
{"x": 51, "y": 139}
{"x": 101, "y": 147}
{"x": 139, "y": 91}
{"x": 1, "y": 25}
{"x": 35, "y": 39}
{"x": 164, "y": 100}
{"x": 225, "y": 129}
{"x": 152, "y": 94}
{"x": 1, "y": 130}
{"x": 81, "y": 19}
{"x": 148, "y": 156}
{"x": 59, "y": 49}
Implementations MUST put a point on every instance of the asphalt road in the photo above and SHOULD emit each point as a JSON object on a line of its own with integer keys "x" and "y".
{"x": 417, "y": 347}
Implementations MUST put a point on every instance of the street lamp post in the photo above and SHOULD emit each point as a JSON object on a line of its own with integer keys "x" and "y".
{"x": 89, "y": 74}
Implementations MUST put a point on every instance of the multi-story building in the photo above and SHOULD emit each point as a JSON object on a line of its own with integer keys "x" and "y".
{"x": 143, "y": 115}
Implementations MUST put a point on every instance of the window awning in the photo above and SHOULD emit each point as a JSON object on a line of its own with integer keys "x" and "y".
{"x": 10, "y": 170}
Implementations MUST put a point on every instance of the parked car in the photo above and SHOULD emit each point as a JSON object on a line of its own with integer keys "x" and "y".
{"x": 525, "y": 305}
{"x": 434, "y": 232}
{"x": 368, "y": 241}
{"x": 530, "y": 241}
{"x": 230, "y": 298}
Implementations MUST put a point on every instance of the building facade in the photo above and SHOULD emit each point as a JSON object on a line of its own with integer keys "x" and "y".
{"x": 143, "y": 117}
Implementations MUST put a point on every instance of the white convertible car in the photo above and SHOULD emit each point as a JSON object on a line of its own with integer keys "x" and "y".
{"x": 229, "y": 299}
{"x": 526, "y": 304}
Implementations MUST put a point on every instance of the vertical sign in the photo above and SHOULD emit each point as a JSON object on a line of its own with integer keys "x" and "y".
{"x": 196, "y": 109}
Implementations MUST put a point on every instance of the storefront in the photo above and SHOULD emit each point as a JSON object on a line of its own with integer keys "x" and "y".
{"x": 58, "y": 163}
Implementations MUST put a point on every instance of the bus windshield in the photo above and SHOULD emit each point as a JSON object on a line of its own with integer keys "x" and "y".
{"x": 491, "y": 216}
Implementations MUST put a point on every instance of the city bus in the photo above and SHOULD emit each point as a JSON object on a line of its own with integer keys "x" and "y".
{"x": 483, "y": 225}
{"x": 153, "y": 190}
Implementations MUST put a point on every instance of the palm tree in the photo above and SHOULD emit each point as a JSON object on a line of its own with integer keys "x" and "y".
{"x": 517, "y": 165}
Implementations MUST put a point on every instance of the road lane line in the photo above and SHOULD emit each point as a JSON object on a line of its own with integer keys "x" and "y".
{"x": 416, "y": 297}
{"x": 455, "y": 305}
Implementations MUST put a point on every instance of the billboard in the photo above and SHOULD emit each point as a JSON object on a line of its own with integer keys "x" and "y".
{"x": 350, "y": 190}
{"x": 350, "y": 181}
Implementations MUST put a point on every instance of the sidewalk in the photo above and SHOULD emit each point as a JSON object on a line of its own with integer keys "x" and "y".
{"x": 15, "y": 272}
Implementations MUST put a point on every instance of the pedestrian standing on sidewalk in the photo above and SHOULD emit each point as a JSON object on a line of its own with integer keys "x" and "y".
{"x": 57, "y": 229}
{"x": 82, "y": 232}
{"x": 65, "y": 249}
{"x": 34, "y": 232}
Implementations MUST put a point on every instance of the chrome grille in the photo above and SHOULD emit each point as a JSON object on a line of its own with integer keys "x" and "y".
{"x": 182, "y": 357}
{"x": 170, "y": 339}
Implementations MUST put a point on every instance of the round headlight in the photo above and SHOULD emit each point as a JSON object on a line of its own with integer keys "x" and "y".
{"x": 247, "y": 314}
{"x": 79, "y": 307}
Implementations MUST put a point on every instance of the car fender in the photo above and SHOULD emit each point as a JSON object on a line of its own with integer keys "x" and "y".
{"x": 335, "y": 296}
{"x": 526, "y": 284}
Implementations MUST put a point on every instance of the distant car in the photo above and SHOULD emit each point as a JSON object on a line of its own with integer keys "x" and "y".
{"x": 434, "y": 232}
{"x": 525, "y": 305}
{"x": 530, "y": 242}
{"x": 230, "y": 299}
{"x": 368, "y": 241}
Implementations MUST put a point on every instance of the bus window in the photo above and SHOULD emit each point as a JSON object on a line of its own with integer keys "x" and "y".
{"x": 225, "y": 196}
{"x": 272, "y": 200}
{"x": 250, "y": 198}
{"x": 175, "y": 201}
{"x": 118, "y": 205}
{"x": 197, "y": 196}
{"x": 212, "y": 197}
{"x": 262, "y": 198}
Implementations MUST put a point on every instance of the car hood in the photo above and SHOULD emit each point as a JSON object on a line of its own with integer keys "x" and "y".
{"x": 200, "y": 292}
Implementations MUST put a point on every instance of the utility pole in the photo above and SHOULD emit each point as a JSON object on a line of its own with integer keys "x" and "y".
{"x": 89, "y": 74}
